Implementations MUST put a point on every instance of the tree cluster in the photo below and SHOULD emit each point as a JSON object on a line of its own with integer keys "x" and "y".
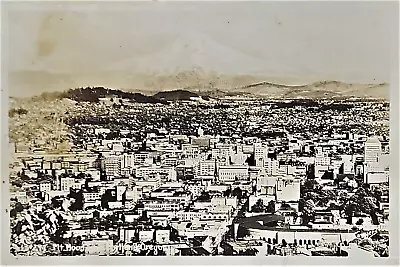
{"x": 19, "y": 111}
{"x": 259, "y": 207}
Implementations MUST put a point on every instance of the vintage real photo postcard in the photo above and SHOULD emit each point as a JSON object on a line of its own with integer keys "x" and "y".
{"x": 165, "y": 132}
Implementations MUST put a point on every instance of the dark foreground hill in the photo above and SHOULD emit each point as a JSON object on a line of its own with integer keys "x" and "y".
{"x": 92, "y": 94}
{"x": 175, "y": 95}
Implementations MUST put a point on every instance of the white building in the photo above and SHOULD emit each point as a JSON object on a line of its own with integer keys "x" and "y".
{"x": 377, "y": 177}
{"x": 161, "y": 205}
{"x": 230, "y": 174}
{"x": 101, "y": 131}
{"x": 128, "y": 161}
{"x": 260, "y": 154}
{"x": 145, "y": 171}
{"x": 91, "y": 196}
{"x": 322, "y": 163}
{"x": 142, "y": 158}
{"x": 348, "y": 167}
{"x": 225, "y": 201}
{"x": 190, "y": 151}
{"x": 207, "y": 167}
{"x": 265, "y": 179}
{"x": 98, "y": 246}
{"x": 271, "y": 166}
{"x": 162, "y": 236}
{"x": 372, "y": 150}
{"x": 45, "y": 186}
{"x": 288, "y": 189}
{"x": 67, "y": 183}
{"x": 117, "y": 147}
{"x": 146, "y": 235}
{"x": 189, "y": 215}
{"x": 200, "y": 131}
{"x": 372, "y": 157}
{"x": 112, "y": 165}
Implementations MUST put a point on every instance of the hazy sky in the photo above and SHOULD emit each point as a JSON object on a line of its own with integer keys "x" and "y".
{"x": 300, "y": 40}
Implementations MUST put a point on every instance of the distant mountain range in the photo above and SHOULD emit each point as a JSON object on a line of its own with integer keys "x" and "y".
{"x": 322, "y": 89}
{"x": 317, "y": 90}
{"x": 209, "y": 84}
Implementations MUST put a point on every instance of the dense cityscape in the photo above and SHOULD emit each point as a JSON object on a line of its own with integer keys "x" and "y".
{"x": 236, "y": 175}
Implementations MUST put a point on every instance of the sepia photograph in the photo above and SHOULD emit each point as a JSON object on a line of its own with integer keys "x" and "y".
{"x": 137, "y": 132}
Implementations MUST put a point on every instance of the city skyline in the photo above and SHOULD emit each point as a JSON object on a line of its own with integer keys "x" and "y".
{"x": 183, "y": 177}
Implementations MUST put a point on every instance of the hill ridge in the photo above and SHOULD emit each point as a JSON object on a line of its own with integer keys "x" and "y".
{"x": 92, "y": 94}
{"x": 317, "y": 83}
{"x": 318, "y": 89}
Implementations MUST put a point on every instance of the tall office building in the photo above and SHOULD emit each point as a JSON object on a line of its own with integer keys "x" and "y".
{"x": 260, "y": 154}
{"x": 200, "y": 131}
{"x": 372, "y": 150}
{"x": 112, "y": 165}
{"x": 322, "y": 163}
{"x": 372, "y": 155}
